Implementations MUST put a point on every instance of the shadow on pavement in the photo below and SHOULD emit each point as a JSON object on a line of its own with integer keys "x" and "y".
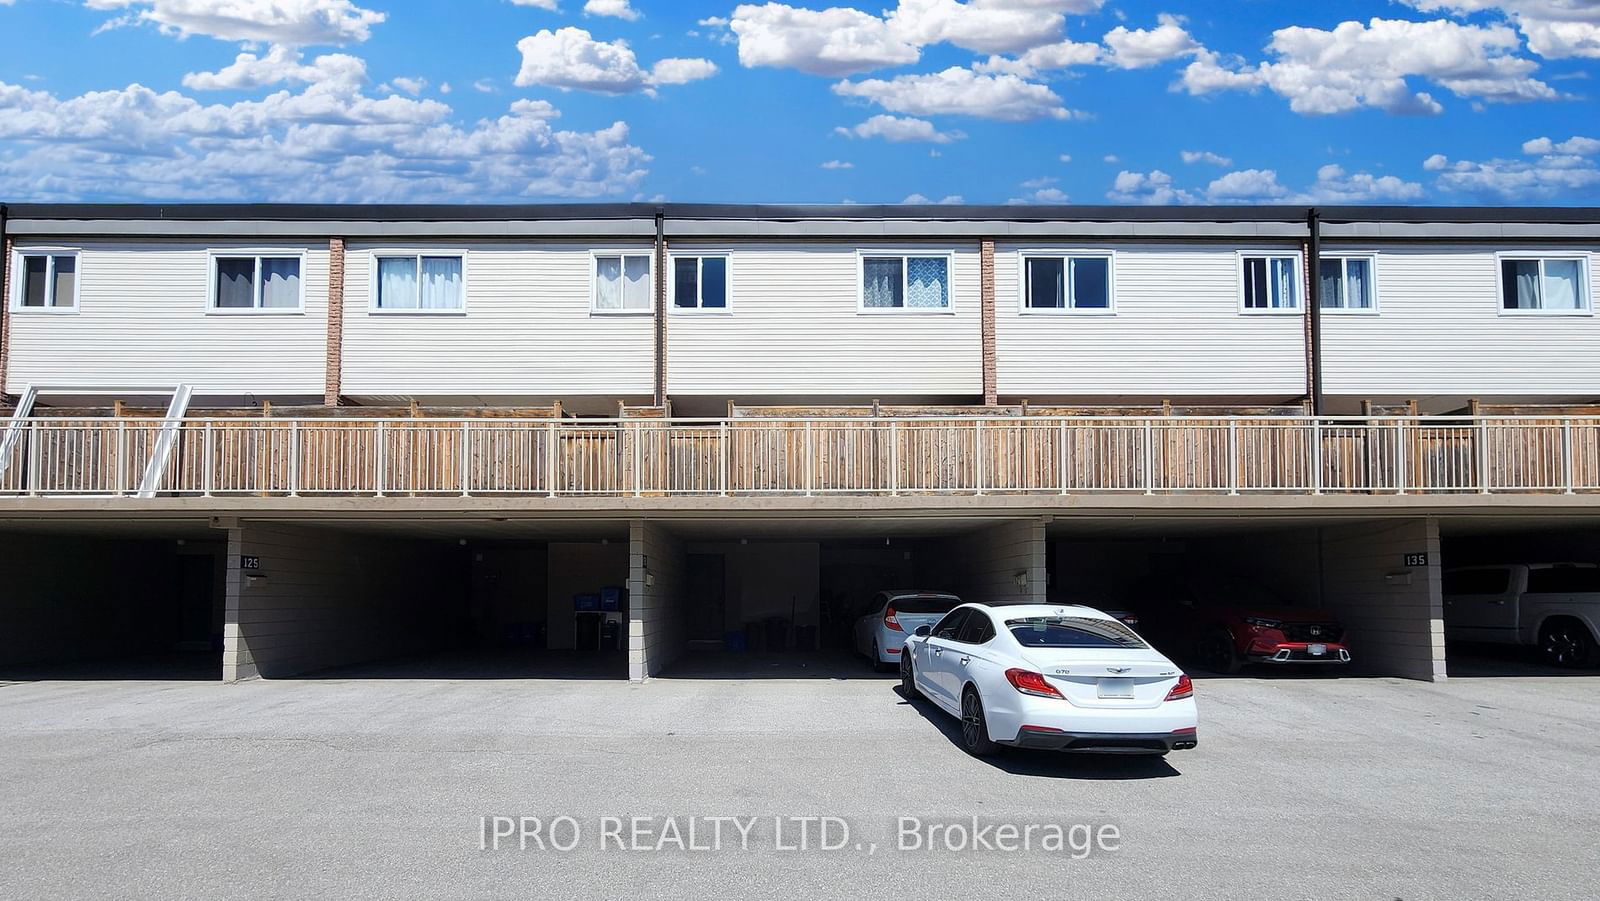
{"x": 184, "y": 666}
{"x": 1469, "y": 660}
{"x": 1051, "y": 764}
{"x": 832, "y": 664}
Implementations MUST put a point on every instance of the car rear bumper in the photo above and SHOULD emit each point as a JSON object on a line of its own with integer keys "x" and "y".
{"x": 1299, "y": 652}
{"x": 1106, "y": 742}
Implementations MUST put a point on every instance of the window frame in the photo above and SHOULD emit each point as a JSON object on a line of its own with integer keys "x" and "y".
{"x": 243, "y": 253}
{"x": 1110, "y": 256}
{"x": 699, "y": 309}
{"x": 389, "y": 253}
{"x": 19, "y": 279}
{"x": 905, "y": 262}
{"x": 1585, "y": 280}
{"x": 1299, "y": 309}
{"x": 1371, "y": 256}
{"x": 594, "y": 279}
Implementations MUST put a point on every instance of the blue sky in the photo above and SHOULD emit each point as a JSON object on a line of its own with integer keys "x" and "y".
{"x": 983, "y": 101}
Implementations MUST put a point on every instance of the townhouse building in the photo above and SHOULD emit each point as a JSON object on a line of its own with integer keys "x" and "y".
{"x": 313, "y": 435}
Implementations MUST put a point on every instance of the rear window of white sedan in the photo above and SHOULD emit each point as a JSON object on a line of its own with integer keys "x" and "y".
{"x": 1072, "y": 632}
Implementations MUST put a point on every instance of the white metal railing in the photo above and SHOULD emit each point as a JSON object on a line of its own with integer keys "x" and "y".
{"x": 819, "y": 456}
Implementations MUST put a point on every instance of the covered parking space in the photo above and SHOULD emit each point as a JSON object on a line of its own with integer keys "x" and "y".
{"x": 413, "y": 598}
{"x": 1196, "y": 581}
{"x": 1510, "y": 579}
{"x": 762, "y": 597}
{"x": 103, "y": 600}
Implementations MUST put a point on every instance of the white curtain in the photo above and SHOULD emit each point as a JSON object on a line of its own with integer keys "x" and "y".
{"x": 1286, "y": 293}
{"x": 1520, "y": 282}
{"x": 1561, "y": 284}
{"x": 441, "y": 283}
{"x": 608, "y": 283}
{"x": 928, "y": 282}
{"x": 1359, "y": 289}
{"x": 1332, "y": 279}
{"x": 280, "y": 282}
{"x": 881, "y": 282}
{"x": 397, "y": 283}
{"x": 636, "y": 283}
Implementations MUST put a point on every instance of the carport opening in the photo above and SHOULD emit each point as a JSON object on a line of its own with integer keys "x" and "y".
{"x": 1271, "y": 600}
{"x": 1521, "y": 601}
{"x": 494, "y": 603}
{"x": 119, "y": 603}
{"x": 789, "y": 606}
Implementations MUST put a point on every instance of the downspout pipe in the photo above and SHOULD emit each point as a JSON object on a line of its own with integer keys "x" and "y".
{"x": 660, "y": 376}
{"x": 1314, "y": 299}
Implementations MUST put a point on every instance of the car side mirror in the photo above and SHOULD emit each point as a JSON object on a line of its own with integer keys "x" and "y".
{"x": 923, "y": 630}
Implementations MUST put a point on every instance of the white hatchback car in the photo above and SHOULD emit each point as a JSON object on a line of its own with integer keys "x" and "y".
{"x": 1056, "y": 677}
{"x": 893, "y": 615}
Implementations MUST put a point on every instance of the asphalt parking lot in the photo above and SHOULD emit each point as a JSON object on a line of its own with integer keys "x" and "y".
{"x": 1302, "y": 788}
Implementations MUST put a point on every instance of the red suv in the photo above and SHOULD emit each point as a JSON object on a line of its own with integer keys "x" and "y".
{"x": 1227, "y": 623}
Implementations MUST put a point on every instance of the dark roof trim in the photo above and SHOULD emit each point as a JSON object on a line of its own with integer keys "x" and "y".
{"x": 780, "y": 213}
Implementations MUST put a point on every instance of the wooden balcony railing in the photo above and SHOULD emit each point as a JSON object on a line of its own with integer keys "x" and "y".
{"x": 649, "y": 458}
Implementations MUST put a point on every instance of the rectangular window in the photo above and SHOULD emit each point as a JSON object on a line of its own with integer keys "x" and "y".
{"x": 700, "y": 283}
{"x": 256, "y": 283}
{"x": 1346, "y": 283}
{"x": 49, "y": 281}
{"x": 420, "y": 282}
{"x": 1067, "y": 282}
{"x": 905, "y": 283}
{"x": 1543, "y": 284}
{"x": 1271, "y": 283}
{"x": 622, "y": 283}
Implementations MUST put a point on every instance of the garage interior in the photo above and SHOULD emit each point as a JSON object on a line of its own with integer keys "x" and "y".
{"x": 1359, "y": 571}
{"x": 123, "y": 601}
{"x": 428, "y": 600}
{"x": 779, "y": 598}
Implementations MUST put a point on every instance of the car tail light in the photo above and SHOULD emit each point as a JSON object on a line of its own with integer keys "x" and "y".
{"x": 890, "y": 621}
{"x": 1031, "y": 683}
{"x": 1184, "y": 689}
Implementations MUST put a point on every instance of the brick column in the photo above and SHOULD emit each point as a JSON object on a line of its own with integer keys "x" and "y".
{"x": 991, "y": 394}
{"x": 5, "y": 315}
{"x": 335, "y": 371}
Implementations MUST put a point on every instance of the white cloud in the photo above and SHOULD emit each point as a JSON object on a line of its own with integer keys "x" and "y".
{"x": 898, "y": 129}
{"x": 280, "y": 64}
{"x": 959, "y": 91}
{"x": 1066, "y": 157}
{"x": 296, "y": 22}
{"x": 1139, "y": 48}
{"x": 921, "y": 199}
{"x": 1033, "y": 184}
{"x": 412, "y": 86}
{"x": 1153, "y": 188}
{"x": 834, "y": 41}
{"x": 1333, "y": 185}
{"x": 1111, "y": 158}
{"x": 985, "y": 26}
{"x": 1553, "y": 28}
{"x": 615, "y": 8}
{"x": 569, "y": 59}
{"x": 539, "y": 4}
{"x": 1360, "y": 65}
{"x": 1247, "y": 185}
{"x": 484, "y": 86}
{"x": 1042, "y": 195}
{"x": 1557, "y": 172}
{"x": 1191, "y": 157}
{"x": 838, "y": 164}
{"x": 330, "y": 142}
{"x": 1061, "y": 55}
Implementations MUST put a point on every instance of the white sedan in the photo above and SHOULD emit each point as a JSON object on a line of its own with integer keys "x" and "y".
{"x": 893, "y": 615}
{"x": 1057, "y": 677}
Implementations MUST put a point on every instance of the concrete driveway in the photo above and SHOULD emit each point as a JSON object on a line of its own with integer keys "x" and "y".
{"x": 1302, "y": 788}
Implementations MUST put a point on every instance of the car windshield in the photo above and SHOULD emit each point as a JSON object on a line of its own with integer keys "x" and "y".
{"x": 924, "y": 603}
{"x": 1072, "y": 632}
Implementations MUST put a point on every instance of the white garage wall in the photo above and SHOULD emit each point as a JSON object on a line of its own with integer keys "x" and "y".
{"x": 657, "y": 603}
{"x": 1393, "y": 615}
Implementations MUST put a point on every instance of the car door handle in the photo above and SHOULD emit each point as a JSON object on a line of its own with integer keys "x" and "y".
{"x": 938, "y": 651}
{"x": 966, "y": 660}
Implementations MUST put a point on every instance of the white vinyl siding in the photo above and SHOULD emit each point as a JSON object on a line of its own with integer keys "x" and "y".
{"x": 144, "y": 321}
{"x": 1444, "y": 332}
{"x": 45, "y": 281}
{"x": 1177, "y": 332}
{"x": 796, "y": 330}
{"x": 529, "y": 332}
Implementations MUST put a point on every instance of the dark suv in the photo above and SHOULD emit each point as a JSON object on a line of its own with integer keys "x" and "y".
{"x": 1225, "y": 623}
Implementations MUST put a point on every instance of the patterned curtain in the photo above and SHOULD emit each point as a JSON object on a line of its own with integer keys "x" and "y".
{"x": 928, "y": 282}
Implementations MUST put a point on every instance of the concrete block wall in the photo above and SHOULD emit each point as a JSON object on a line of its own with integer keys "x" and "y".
{"x": 985, "y": 564}
{"x": 657, "y": 599}
{"x": 1393, "y": 614}
{"x": 323, "y": 598}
